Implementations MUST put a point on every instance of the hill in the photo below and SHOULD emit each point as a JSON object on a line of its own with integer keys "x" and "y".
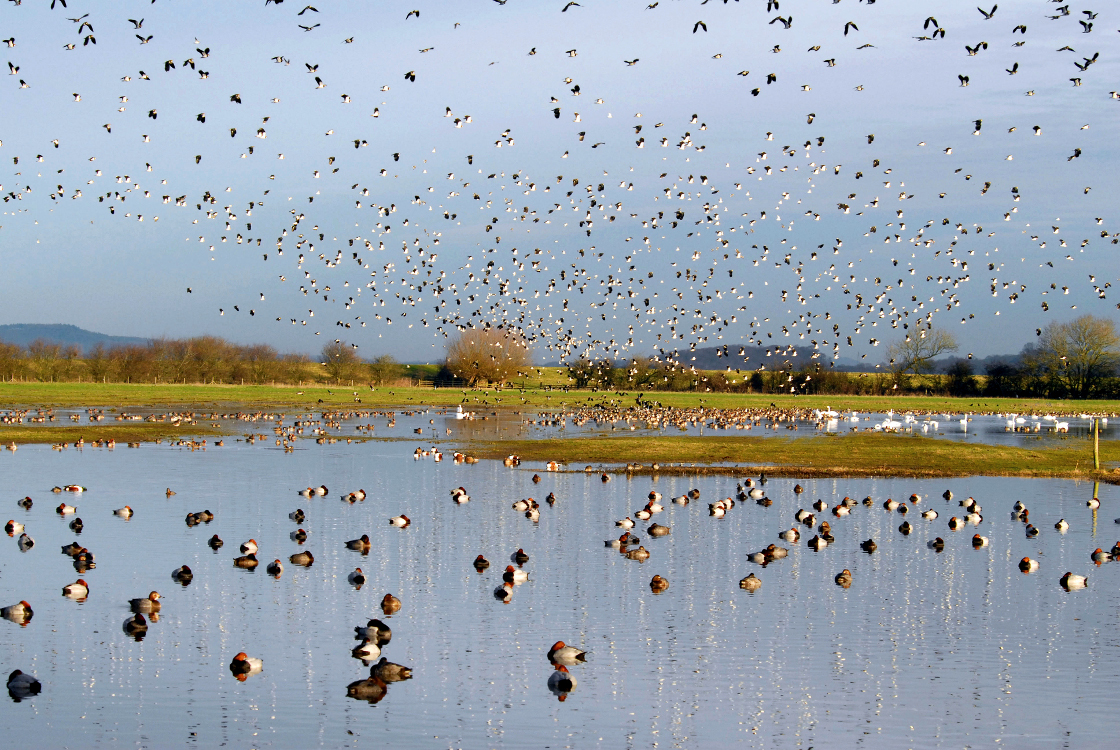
{"x": 24, "y": 333}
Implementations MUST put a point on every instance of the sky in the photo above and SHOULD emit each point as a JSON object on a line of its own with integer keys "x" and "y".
{"x": 846, "y": 203}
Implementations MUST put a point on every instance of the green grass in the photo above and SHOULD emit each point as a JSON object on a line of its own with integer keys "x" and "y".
{"x": 127, "y": 433}
{"x": 234, "y": 397}
{"x": 842, "y": 455}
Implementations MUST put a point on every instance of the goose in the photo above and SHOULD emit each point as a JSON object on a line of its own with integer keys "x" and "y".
{"x": 182, "y": 574}
{"x": 243, "y": 664}
{"x": 275, "y": 568}
{"x": 249, "y": 547}
{"x": 751, "y": 583}
{"x": 658, "y": 584}
{"x": 25, "y": 542}
{"x": 561, "y": 682}
{"x": 1028, "y": 565}
{"x": 979, "y": 541}
{"x": 930, "y": 514}
{"x": 562, "y": 653}
{"x": 1061, "y": 525}
{"x": 1070, "y": 581}
{"x": 303, "y": 559}
{"x": 22, "y": 685}
{"x": 13, "y": 527}
{"x": 390, "y": 604}
{"x": 125, "y": 512}
{"x": 399, "y": 521}
{"x": 64, "y": 510}
{"x": 136, "y": 626}
{"x": 299, "y": 535}
{"x": 844, "y": 578}
{"x": 513, "y": 575}
{"x": 372, "y": 689}
{"x": 246, "y": 561}
{"x": 387, "y": 671}
{"x": 297, "y": 515}
{"x": 374, "y": 630}
{"x": 868, "y": 546}
{"x": 79, "y": 590}
{"x": 359, "y": 544}
{"x": 149, "y": 603}
{"x": 1100, "y": 556}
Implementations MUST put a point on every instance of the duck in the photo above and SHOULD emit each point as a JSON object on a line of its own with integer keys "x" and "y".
{"x": 459, "y": 495}
{"x": 522, "y": 505}
{"x": 183, "y": 574}
{"x": 903, "y": 509}
{"x": 25, "y": 542}
{"x": 13, "y": 527}
{"x": 372, "y": 689}
{"x": 801, "y": 515}
{"x": 71, "y": 549}
{"x": 655, "y": 507}
{"x": 374, "y": 630}
{"x": 819, "y": 506}
{"x": 481, "y": 563}
{"x": 504, "y": 593}
{"x": 868, "y": 545}
{"x": 758, "y": 558}
{"x": 136, "y": 625}
{"x": 937, "y": 544}
{"x": 658, "y": 530}
{"x": 1031, "y": 530}
{"x": 561, "y": 681}
{"x": 215, "y": 542}
{"x": 654, "y": 496}
{"x": 519, "y": 557}
{"x": 774, "y": 552}
{"x": 83, "y": 556}
{"x": 905, "y": 528}
{"x": 1061, "y": 525}
{"x": 19, "y": 612}
{"x": 891, "y": 504}
{"x": 551, "y": 499}
{"x": 399, "y": 521}
{"x": 22, "y": 685}
{"x": 125, "y": 512}
{"x": 868, "y": 501}
{"x": 979, "y": 541}
{"x": 169, "y": 492}
{"x": 930, "y": 514}
{"x": 308, "y": 492}
{"x": 841, "y": 510}
{"x": 1116, "y": 550}
{"x": 1028, "y": 565}
{"x": 658, "y": 584}
{"x": 1071, "y": 581}
{"x": 299, "y": 535}
{"x": 562, "y": 653}
{"x": 387, "y": 671}
{"x": 249, "y": 547}
{"x": 816, "y": 543}
{"x": 948, "y": 495}
{"x": 751, "y": 583}
{"x": 844, "y": 578}
{"x": 1093, "y": 503}
{"x": 357, "y": 578}
{"x": 798, "y": 489}
{"x": 625, "y": 523}
{"x": 25, "y": 503}
{"x": 792, "y": 535}
{"x": 955, "y": 523}
{"x": 681, "y": 500}
{"x": 76, "y": 488}
{"x": 304, "y": 559}
{"x": 622, "y": 541}
{"x": 354, "y": 497}
{"x": 321, "y": 490}
{"x": 641, "y": 554}
{"x": 974, "y": 518}
{"x": 716, "y": 510}
{"x": 512, "y": 575}
{"x": 79, "y": 589}
{"x": 297, "y": 515}
{"x": 1099, "y": 556}
{"x": 915, "y": 498}
{"x": 149, "y": 603}
{"x": 243, "y": 664}
{"x": 390, "y": 604}
{"x": 275, "y": 568}
{"x": 1019, "y": 507}
{"x": 248, "y": 561}
{"x": 645, "y": 514}
{"x": 64, "y": 510}
{"x": 368, "y": 650}
{"x": 810, "y": 520}
{"x": 359, "y": 544}
{"x": 533, "y": 514}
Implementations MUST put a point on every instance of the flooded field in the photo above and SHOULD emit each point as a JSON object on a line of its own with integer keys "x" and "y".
{"x": 923, "y": 648}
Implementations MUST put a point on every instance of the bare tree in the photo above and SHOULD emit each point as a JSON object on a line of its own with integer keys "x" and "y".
{"x": 1078, "y": 355}
{"x": 491, "y": 354}
{"x": 340, "y": 359}
{"x": 914, "y": 354}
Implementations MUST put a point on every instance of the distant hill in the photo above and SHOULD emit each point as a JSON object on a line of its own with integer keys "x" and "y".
{"x": 24, "y": 333}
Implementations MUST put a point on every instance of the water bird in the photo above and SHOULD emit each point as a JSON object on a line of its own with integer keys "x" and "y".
{"x": 183, "y": 574}
{"x": 248, "y": 562}
{"x": 399, "y": 521}
{"x": 751, "y": 583}
{"x": 243, "y": 665}
{"x": 658, "y": 584}
{"x": 562, "y": 653}
{"x": 21, "y": 686}
{"x": 390, "y": 604}
{"x": 844, "y": 578}
{"x": 303, "y": 559}
{"x": 1028, "y": 565}
{"x": 1070, "y": 581}
{"x": 361, "y": 544}
{"x": 149, "y": 603}
{"x": 387, "y": 671}
{"x": 481, "y": 563}
{"x": 357, "y": 578}
{"x": 275, "y": 568}
{"x": 79, "y": 590}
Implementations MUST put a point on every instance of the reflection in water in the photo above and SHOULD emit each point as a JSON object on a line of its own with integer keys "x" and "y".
{"x": 785, "y": 659}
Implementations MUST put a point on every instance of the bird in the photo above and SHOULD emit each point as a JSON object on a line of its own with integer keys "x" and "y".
{"x": 78, "y": 590}
{"x": 563, "y": 654}
{"x": 149, "y": 603}
{"x": 700, "y": 25}
{"x": 399, "y": 521}
{"x": 850, "y": 25}
{"x": 243, "y": 665}
{"x": 22, "y": 686}
{"x": 569, "y": 5}
{"x": 988, "y": 14}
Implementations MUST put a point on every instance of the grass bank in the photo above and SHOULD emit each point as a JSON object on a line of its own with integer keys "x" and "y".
{"x": 254, "y": 397}
{"x": 126, "y": 433}
{"x": 847, "y": 455}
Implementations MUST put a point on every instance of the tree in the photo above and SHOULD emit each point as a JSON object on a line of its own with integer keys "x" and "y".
{"x": 383, "y": 369}
{"x": 340, "y": 359}
{"x": 914, "y": 355}
{"x": 1078, "y": 355}
{"x": 491, "y": 354}
{"x": 961, "y": 381}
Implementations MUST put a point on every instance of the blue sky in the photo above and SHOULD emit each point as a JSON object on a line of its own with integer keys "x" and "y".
{"x": 71, "y": 260}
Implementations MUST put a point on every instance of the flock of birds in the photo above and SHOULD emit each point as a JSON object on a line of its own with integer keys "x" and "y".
{"x": 631, "y": 293}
